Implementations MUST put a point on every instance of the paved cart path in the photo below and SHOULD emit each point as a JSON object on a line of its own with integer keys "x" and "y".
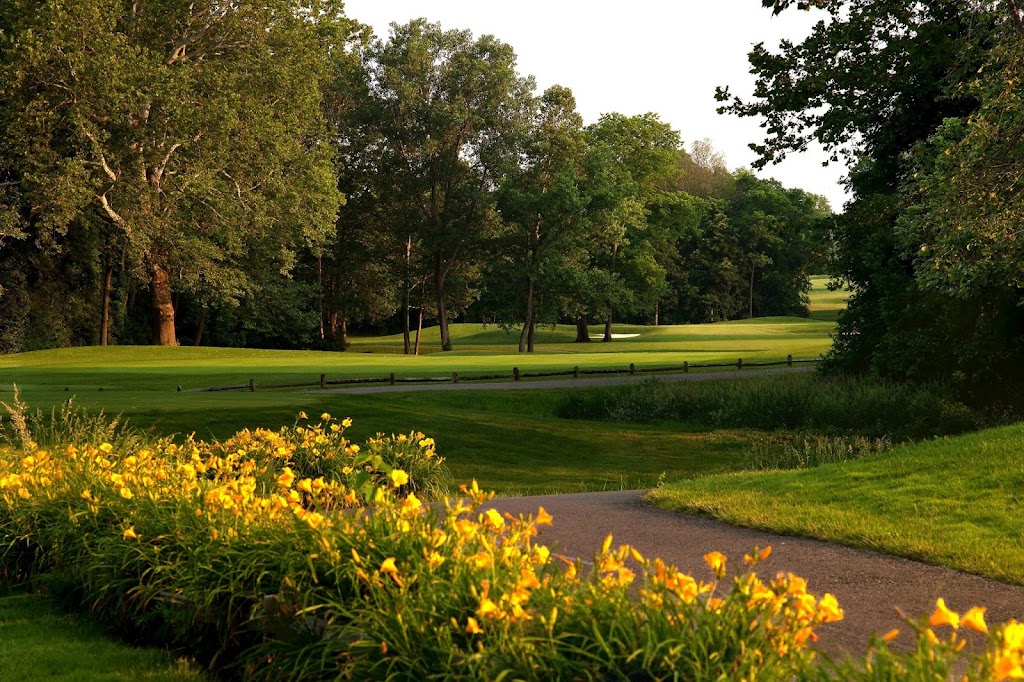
{"x": 868, "y": 585}
{"x": 560, "y": 383}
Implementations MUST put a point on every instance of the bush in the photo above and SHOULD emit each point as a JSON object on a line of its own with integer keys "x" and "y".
{"x": 872, "y": 409}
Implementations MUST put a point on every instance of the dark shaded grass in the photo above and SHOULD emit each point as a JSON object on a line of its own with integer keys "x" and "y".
{"x": 31, "y": 626}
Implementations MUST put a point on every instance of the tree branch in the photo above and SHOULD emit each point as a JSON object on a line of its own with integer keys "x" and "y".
{"x": 114, "y": 216}
{"x": 103, "y": 159}
{"x": 158, "y": 174}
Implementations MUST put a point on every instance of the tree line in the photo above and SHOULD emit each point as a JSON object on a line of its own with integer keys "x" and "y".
{"x": 923, "y": 100}
{"x": 273, "y": 174}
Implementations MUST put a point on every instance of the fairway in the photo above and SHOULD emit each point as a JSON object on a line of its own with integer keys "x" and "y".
{"x": 824, "y": 304}
{"x": 483, "y": 350}
{"x": 513, "y": 443}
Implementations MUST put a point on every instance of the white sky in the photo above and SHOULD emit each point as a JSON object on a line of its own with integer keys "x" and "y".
{"x": 663, "y": 56}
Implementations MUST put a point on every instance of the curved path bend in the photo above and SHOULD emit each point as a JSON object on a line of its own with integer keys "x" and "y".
{"x": 868, "y": 585}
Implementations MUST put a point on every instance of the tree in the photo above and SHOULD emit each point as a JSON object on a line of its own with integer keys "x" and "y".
{"x": 632, "y": 163}
{"x": 450, "y": 110}
{"x": 964, "y": 218}
{"x": 703, "y": 172}
{"x": 775, "y": 227}
{"x": 543, "y": 207}
{"x": 872, "y": 84}
{"x": 166, "y": 118}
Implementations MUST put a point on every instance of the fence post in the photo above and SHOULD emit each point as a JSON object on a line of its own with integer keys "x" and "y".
{"x": 632, "y": 368}
{"x": 392, "y": 378}
{"x": 323, "y": 380}
{"x": 575, "y": 372}
{"x": 739, "y": 363}
{"x": 515, "y": 373}
{"x": 789, "y": 360}
{"x": 252, "y": 384}
{"x": 455, "y": 377}
{"x": 686, "y": 366}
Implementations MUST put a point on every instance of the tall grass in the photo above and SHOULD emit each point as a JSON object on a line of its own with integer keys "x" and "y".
{"x": 68, "y": 424}
{"x": 872, "y": 409}
{"x": 802, "y": 451}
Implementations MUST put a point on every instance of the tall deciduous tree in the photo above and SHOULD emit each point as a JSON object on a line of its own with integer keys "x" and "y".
{"x": 633, "y": 162}
{"x": 451, "y": 109}
{"x": 193, "y": 128}
{"x": 874, "y": 81}
{"x": 543, "y": 205}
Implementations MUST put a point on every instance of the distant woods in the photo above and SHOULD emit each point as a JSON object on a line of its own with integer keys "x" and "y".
{"x": 272, "y": 174}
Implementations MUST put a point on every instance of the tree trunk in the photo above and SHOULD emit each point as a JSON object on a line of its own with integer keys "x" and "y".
{"x": 442, "y": 308}
{"x": 163, "y": 308}
{"x": 750, "y": 300}
{"x": 343, "y": 331}
{"x": 529, "y": 337}
{"x": 419, "y": 329}
{"x": 608, "y": 322}
{"x": 527, "y": 332}
{"x": 108, "y": 279}
{"x": 657, "y": 309}
{"x": 582, "y": 330}
{"x": 199, "y": 328}
{"x": 406, "y": 341}
{"x": 320, "y": 287}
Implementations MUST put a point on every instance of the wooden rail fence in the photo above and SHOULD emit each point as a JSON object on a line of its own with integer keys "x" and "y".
{"x": 516, "y": 375}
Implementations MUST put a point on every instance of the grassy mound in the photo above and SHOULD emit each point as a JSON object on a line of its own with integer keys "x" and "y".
{"x": 953, "y": 502}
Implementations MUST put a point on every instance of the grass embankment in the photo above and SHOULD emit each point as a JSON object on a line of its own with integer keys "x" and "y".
{"x": 954, "y": 502}
{"x": 30, "y": 624}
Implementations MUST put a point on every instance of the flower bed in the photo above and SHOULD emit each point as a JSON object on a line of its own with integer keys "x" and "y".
{"x": 295, "y": 554}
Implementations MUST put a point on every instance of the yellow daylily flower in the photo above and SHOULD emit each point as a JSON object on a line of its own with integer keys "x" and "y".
{"x": 716, "y": 562}
{"x": 493, "y": 519}
{"x": 130, "y": 534}
{"x": 943, "y": 616}
{"x": 473, "y": 627}
{"x": 286, "y": 478}
{"x": 974, "y": 620}
{"x": 1007, "y": 668}
{"x": 828, "y": 609}
{"x": 398, "y": 478}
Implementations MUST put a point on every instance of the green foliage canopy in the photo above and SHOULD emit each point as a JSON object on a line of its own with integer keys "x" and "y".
{"x": 166, "y": 119}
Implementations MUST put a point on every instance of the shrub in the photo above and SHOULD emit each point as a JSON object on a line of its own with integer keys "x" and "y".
{"x": 873, "y": 409}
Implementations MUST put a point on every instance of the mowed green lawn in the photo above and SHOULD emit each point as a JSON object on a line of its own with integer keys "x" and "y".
{"x": 824, "y": 304}
{"x": 39, "y": 642}
{"x": 511, "y": 442}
